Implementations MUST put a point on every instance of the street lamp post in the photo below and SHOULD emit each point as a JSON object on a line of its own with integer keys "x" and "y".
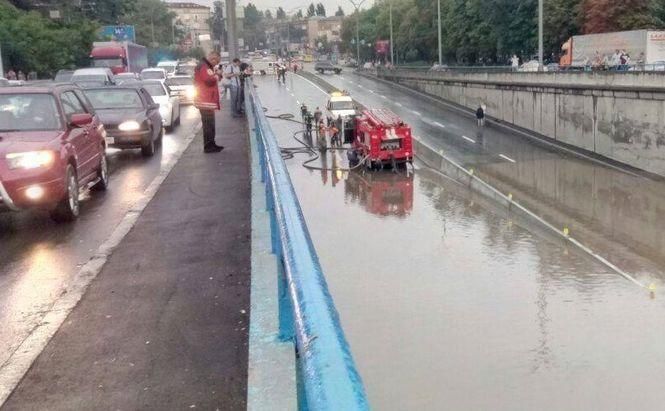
{"x": 540, "y": 35}
{"x": 357, "y": 7}
{"x": 392, "y": 53}
{"x": 438, "y": 7}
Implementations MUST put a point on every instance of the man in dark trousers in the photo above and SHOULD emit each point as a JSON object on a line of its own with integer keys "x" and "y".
{"x": 207, "y": 99}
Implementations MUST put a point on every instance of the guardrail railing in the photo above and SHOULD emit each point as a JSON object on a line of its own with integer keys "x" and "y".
{"x": 327, "y": 377}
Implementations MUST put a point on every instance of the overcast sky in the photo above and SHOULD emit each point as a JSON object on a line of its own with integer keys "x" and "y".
{"x": 331, "y": 5}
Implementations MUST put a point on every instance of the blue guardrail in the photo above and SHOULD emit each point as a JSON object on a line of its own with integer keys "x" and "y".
{"x": 327, "y": 377}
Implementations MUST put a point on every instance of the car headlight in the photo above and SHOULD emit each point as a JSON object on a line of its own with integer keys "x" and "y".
{"x": 30, "y": 159}
{"x": 129, "y": 126}
{"x": 191, "y": 92}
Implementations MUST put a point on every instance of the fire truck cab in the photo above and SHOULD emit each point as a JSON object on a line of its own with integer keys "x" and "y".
{"x": 381, "y": 137}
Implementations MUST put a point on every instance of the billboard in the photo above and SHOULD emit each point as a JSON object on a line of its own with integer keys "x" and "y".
{"x": 117, "y": 33}
{"x": 382, "y": 47}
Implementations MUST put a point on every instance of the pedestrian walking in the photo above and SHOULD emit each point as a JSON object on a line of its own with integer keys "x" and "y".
{"x": 21, "y": 76}
{"x": 480, "y": 116}
{"x": 207, "y": 99}
{"x": 515, "y": 62}
{"x": 233, "y": 73}
{"x": 281, "y": 73}
{"x": 11, "y": 75}
{"x": 317, "y": 115}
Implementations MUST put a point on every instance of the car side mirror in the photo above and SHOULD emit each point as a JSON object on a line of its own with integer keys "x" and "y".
{"x": 80, "y": 119}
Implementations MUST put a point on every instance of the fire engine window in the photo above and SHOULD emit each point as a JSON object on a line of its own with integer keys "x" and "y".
{"x": 341, "y": 105}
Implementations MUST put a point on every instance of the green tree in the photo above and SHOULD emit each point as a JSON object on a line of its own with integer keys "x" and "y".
{"x": 153, "y": 23}
{"x": 602, "y": 16}
{"x": 268, "y": 15}
{"x": 31, "y": 42}
{"x": 217, "y": 20}
{"x": 311, "y": 10}
{"x": 280, "y": 14}
{"x": 320, "y": 10}
{"x": 254, "y": 30}
{"x": 339, "y": 12}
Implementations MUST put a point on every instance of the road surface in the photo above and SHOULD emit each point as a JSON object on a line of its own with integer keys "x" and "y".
{"x": 448, "y": 301}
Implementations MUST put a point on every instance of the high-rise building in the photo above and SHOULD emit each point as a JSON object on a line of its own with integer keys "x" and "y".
{"x": 194, "y": 20}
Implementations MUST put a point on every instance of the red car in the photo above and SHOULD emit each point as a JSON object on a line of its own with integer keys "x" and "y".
{"x": 51, "y": 147}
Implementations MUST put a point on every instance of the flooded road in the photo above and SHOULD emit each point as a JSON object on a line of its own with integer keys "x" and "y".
{"x": 448, "y": 303}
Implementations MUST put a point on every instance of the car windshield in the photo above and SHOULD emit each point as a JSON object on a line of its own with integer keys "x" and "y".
{"x": 168, "y": 68}
{"x": 64, "y": 76}
{"x": 102, "y": 99}
{"x": 341, "y": 105}
{"x": 155, "y": 89}
{"x": 179, "y": 81}
{"x": 106, "y": 62}
{"x": 153, "y": 75}
{"x": 28, "y": 112}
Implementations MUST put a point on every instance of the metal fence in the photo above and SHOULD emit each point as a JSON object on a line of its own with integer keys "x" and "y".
{"x": 327, "y": 377}
{"x": 625, "y": 69}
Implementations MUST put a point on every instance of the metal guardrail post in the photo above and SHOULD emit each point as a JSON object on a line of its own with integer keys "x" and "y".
{"x": 327, "y": 377}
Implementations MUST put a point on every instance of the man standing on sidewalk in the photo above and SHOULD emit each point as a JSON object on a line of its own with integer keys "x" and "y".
{"x": 207, "y": 99}
{"x": 233, "y": 73}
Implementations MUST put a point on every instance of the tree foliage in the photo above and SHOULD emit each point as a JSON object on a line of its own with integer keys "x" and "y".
{"x": 311, "y": 10}
{"x": 280, "y": 14}
{"x": 320, "y": 10}
{"x": 490, "y": 31}
{"x": 339, "y": 12}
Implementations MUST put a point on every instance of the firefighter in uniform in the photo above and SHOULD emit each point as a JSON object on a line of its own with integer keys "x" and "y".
{"x": 207, "y": 99}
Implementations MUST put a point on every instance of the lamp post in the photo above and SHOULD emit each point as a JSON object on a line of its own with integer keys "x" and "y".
{"x": 438, "y": 7}
{"x": 392, "y": 53}
{"x": 357, "y": 5}
{"x": 540, "y": 35}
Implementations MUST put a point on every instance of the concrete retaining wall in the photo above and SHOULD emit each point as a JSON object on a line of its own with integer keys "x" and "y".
{"x": 618, "y": 116}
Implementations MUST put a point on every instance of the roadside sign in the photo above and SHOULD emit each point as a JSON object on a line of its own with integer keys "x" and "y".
{"x": 118, "y": 33}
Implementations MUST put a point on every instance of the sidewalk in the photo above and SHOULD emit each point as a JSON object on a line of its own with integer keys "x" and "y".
{"x": 165, "y": 324}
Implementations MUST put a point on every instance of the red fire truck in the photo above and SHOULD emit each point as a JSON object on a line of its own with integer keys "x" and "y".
{"x": 381, "y": 138}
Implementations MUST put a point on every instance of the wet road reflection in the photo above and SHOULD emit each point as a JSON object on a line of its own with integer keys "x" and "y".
{"x": 449, "y": 303}
{"x": 617, "y": 213}
{"x": 39, "y": 257}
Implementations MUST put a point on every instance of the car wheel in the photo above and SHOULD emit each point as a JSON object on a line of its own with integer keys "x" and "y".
{"x": 148, "y": 149}
{"x": 177, "y": 121}
{"x": 102, "y": 175}
{"x": 68, "y": 208}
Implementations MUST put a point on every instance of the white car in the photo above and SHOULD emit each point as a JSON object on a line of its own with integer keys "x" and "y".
{"x": 96, "y": 76}
{"x": 169, "y": 106}
{"x": 183, "y": 88}
{"x": 169, "y": 67}
{"x": 153, "y": 74}
{"x": 341, "y": 105}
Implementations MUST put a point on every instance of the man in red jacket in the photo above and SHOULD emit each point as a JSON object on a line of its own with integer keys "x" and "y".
{"x": 207, "y": 99}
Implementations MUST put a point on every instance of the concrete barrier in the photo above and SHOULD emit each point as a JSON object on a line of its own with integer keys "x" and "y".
{"x": 617, "y": 116}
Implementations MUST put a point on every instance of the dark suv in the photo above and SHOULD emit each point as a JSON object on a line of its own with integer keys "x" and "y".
{"x": 326, "y": 65}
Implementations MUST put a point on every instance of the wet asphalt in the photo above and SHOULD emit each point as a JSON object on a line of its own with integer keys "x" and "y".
{"x": 450, "y": 302}
{"x": 38, "y": 257}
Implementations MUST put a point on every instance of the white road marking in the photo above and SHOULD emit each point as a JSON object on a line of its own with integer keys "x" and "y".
{"x": 371, "y": 91}
{"x": 383, "y": 97}
{"x": 470, "y": 140}
{"x": 298, "y": 101}
{"x": 342, "y": 77}
{"x": 293, "y": 95}
{"x": 360, "y": 86}
{"x": 399, "y": 104}
{"x": 507, "y": 158}
{"x": 419, "y": 114}
{"x": 13, "y": 370}
{"x": 436, "y": 123}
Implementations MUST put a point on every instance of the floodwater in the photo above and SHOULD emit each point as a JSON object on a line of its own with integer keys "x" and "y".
{"x": 450, "y": 303}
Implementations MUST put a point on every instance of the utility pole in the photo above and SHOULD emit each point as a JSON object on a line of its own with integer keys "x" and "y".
{"x": 232, "y": 28}
{"x": 2, "y": 68}
{"x": 438, "y": 6}
{"x": 357, "y": 7}
{"x": 392, "y": 50}
{"x": 540, "y": 35}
